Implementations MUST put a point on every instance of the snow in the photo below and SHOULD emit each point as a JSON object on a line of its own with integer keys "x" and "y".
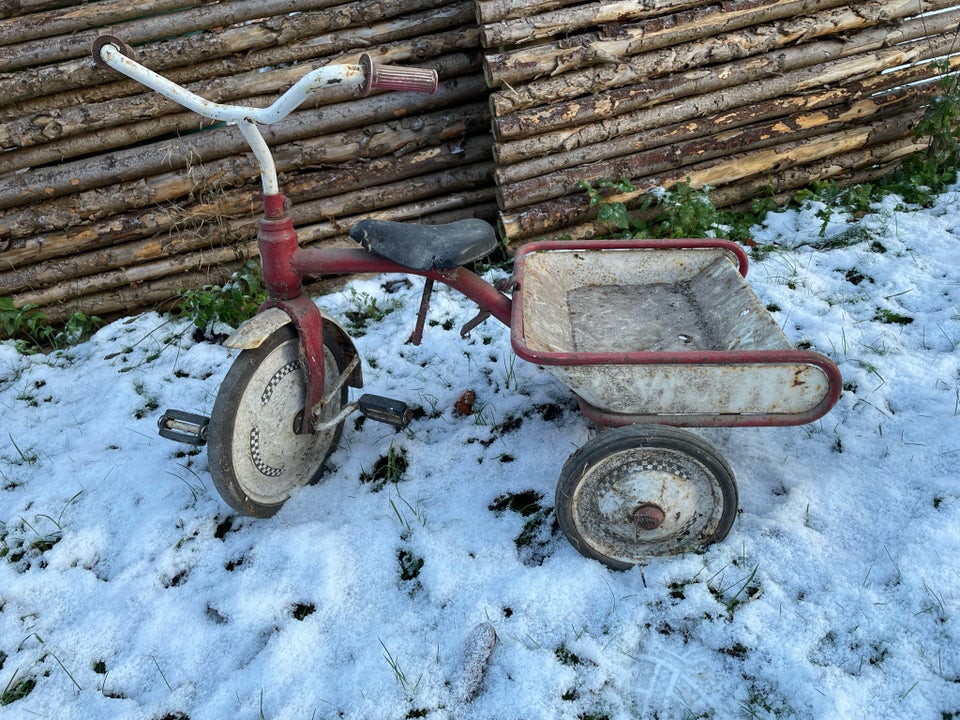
{"x": 836, "y": 594}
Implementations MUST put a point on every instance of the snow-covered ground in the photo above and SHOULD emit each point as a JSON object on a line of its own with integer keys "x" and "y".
{"x": 128, "y": 589}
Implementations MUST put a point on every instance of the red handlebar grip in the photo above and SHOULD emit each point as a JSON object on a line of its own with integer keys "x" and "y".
{"x": 392, "y": 77}
{"x": 118, "y": 44}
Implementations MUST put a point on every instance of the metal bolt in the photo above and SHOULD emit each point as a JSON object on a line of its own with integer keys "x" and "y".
{"x": 648, "y": 516}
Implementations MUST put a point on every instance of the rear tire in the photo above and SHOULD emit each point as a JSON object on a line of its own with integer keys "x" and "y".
{"x": 638, "y": 491}
{"x": 256, "y": 458}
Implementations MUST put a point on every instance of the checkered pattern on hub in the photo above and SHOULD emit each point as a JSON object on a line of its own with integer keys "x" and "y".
{"x": 277, "y": 378}
{"x": 258, "y": 461}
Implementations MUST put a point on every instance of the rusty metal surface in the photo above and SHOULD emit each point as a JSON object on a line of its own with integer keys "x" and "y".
{"x": 661, "y": 331}
{"x": 613, "y": 491}
{"x": 642, "y": 490}
{"x": 720, "y": 389}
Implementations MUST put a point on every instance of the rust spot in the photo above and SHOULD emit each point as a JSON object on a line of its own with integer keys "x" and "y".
{"x": 648, "y": 517}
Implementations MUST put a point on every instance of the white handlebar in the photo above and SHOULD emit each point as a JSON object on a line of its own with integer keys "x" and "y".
{"x": 364, "y": 76}
{"x": 339, "y": 75}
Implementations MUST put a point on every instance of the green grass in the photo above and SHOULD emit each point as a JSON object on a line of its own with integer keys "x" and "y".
{"x": 24, "y": 540}
{"x": 17, "y": 688}
{"x": 364, "y": 309}
{"x": 408, "y": 684}
{"x": 539, "y": 527}
{"x": 388, "y": 469}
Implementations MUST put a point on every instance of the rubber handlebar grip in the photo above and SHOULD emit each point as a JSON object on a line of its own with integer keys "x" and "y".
{"x": 118, "y": 44}
{"x": 393, "y": 77}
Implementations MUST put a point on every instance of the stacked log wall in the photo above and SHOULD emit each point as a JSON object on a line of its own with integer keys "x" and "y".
{"x": 113, "y": 198}
{"x": 746, "y": 97}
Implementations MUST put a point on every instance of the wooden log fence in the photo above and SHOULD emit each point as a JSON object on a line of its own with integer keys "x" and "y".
{"x": 113, "y": 198}
{"x": 746, "y": 97}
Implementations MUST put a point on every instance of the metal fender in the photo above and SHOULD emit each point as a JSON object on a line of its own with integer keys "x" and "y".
{"x": 254, "y": 332}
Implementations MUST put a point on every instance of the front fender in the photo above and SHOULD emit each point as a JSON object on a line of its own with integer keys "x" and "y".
{"x": 254, "y": 332}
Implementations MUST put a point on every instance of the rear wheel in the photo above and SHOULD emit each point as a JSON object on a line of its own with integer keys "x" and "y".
{"x": 641, "y": 490}
{"x": 256, "y": 457}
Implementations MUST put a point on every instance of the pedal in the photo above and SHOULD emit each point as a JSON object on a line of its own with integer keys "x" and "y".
{"x": 183, "y": 427}
{"x": 385, "y": 410}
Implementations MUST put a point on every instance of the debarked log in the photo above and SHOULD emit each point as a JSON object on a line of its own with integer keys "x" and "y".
{"x": 725, "y": 48}
{"x": 669, "y": 100}
{"x": 550, "y": 215}
{"x": 92, "y": 293}
{"x": 162, "y": 293}
{"x": 105, "y": 140}
{"x": 800, "y": 67}
{"x": 351, "y": 160}
{"x": 539, "y": 24}
{"x": 62, "y": 119}
{"x": 313, "y": 30}
{"x": 13, "y": 8}
{"x": 233, "y": 219}
{"x": 163, "y": 118}
{"x": 711, "y": 140}
{"x": 18, "y": 189}
{"x": 527, "y": 63}
{"x": 425, "y": 39}
{"x": 50, "y": 22}
{"x": 442, "y": 209}
{"x": 861, "y": 166}
{"x": 872, "y": 91}
{"x": 27, "y": 229}
{"x": 493, "y": 10}
{"x": 316, "y": 16}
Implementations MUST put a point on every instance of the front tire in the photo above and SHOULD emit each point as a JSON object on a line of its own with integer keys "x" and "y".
{"x": 256, "y": 458}
{"x": 638, "y": 491}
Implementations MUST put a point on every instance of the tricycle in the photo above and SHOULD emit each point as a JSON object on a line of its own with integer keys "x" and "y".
{"x": 651, "y": 336}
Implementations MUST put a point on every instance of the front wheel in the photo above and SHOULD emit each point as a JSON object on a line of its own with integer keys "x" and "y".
{"x": 638, "y": 491}
{"x": 256, "y": 456}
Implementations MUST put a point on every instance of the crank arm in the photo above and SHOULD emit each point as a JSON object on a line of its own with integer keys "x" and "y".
{"x": 345, "y": 412}
{"x": 338, "y": 386}
{"x": 375, "y": 407}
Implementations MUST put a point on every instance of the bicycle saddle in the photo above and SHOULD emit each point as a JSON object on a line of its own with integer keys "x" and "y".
{"x": 427, "y": 247}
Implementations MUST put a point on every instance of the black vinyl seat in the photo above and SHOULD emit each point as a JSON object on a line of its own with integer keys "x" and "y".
{"x": 427, "y": 247}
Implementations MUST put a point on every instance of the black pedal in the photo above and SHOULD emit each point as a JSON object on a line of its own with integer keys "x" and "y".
{"x": 385, "y": 410}
{"x": 183, "y": 427}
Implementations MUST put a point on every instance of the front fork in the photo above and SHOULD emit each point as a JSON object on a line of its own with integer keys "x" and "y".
{"x": 278, "y": 248}
{"x": 278, "y": 251}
